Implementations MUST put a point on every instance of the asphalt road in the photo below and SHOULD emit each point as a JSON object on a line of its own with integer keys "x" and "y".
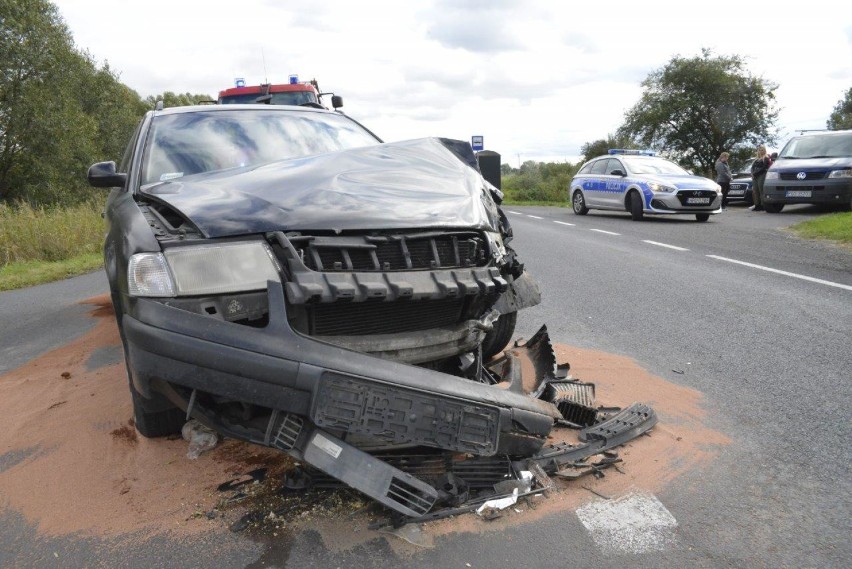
{"x": 757, "y": 320}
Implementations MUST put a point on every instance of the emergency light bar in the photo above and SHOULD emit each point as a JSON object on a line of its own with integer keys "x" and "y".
{"x": 631, "y": 151}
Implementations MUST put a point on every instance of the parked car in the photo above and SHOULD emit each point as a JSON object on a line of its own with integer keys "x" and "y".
{"x": 741, "y": 186}
{"x": 276, "y": 272}
{"x": 814, "y": 168}
{"x": 641, "y": 183}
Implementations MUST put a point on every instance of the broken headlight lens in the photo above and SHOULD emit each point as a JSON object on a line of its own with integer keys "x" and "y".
{"x": 204, "y": 269}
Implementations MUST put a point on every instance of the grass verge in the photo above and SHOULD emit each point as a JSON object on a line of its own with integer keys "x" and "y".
{"x": 30, "y": 273}
{"x": 44, "y": 244}
{"x": 832, "y": 227}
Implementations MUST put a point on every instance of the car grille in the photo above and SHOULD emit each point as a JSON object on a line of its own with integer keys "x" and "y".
{"x": 682, "y": 196}
{"x": 397, "y": 253}
{"x": 792, "y": 176}
{"x": 362, "y": 318}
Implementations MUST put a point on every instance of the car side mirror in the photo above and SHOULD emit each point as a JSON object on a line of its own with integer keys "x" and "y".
{"x": 618, "y": 172}
{"x": 336, "y": 101}
{"x": 103, "y": 175}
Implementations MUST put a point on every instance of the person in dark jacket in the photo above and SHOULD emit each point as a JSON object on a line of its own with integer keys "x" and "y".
{"x": 723, "y": 177}
{"x": 758, "y": 175}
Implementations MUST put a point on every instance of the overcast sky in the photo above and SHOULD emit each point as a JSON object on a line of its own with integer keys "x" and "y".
{"x": 536, "y": 78}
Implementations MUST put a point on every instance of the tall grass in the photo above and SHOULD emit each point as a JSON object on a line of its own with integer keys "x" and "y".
{"x": 30, "y": 234}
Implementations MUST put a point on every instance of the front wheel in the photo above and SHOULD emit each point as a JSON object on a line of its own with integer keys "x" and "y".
{"x": 500, "y": 335}
{"x": 636, "y": 206}
{"x": 156, "y": 417}
{"x": 773, "y": 207}
{"x": 702, "y": 216}
{"x": 578, "y": 203}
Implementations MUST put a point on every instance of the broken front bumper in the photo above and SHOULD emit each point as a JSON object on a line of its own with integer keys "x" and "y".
{"x": 344, "y": 392}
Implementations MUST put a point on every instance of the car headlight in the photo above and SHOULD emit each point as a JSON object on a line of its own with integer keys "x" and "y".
{"x": 772, "y": 176}
{"x": 204, "y": 269}
{"x": 841, "y": 173}
{"x": 495, "y": 245}
{"x": 655, "y": 187}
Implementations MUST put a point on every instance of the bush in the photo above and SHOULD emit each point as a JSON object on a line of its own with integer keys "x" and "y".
{"x": 539, "y": 182}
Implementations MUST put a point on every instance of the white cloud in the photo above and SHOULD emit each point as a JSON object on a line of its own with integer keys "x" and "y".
{"x": 537, "y": 78}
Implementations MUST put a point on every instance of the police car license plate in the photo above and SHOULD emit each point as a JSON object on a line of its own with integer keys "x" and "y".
{"x": 798, "y": 193}
{"x": 697, "y": 200}
{"x": 736, "y": 192}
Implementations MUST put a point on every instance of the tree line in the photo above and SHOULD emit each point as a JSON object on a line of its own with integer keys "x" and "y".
{"x": 59, "y": 110}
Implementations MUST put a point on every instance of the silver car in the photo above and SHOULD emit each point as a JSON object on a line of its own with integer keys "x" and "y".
{"x": 641, "y": 183}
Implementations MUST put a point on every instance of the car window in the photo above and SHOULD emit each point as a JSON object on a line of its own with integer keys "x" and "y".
{"x": 599, "y": 167}
{"x": 586, "y": 169}
{"x": 654, "y": 166}
{"x": 819, "y": 146}
{"x": 184, "y": 144}
{"x": 613, "y": 164}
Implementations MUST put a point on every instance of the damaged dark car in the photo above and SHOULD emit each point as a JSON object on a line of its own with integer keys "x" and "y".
{"x": 283, "y": 276}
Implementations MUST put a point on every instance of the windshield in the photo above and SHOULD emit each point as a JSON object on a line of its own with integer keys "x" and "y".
{"x": 286, "y": 98}
{"x": 819, "y": 146}
{"x": 190, "y": 143}
{"x": 639, "y": 165}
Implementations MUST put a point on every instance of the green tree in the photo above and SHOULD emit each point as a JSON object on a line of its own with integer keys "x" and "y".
{"x": 171, "y": 99}
{"x": 601, "y": 146}
{"x": 841, "y": 117}
{"x": 59, "y": 112}
{"x": 693, "y": 109}
{"x": 115, "y": 108}
{"x": 36, "y": 103}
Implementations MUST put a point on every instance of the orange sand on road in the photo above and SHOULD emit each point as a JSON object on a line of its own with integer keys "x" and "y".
{"x": 88, "y": 471}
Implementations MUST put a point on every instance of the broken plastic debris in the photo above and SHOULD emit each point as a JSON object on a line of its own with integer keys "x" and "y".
{"x": 200, "y": 438}
{"x": 499, "y": 503}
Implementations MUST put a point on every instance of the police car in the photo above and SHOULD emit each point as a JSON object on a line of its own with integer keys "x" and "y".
{"x": 641, "y": 183}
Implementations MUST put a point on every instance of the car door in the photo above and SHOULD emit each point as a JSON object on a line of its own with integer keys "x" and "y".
{"x": 594, "y": 187}
{"x": 615, "y": 184}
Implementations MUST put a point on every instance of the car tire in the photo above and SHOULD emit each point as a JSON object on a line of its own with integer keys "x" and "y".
{"x": 156, "y": 417}
{"x": 773, "y": 207}
{"x": 500, "y": 335}
{"x": 578, "y": 203}
{"x": 636, "y": 206}
{"x": 702, "y": 216}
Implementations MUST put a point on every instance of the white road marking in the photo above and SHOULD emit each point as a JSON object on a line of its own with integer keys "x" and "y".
{"x": 607, "y": 232}
{"x": 564, "y": 223}
{"x": 676, "y": 248}
{"x": 635, "y": 523}
{"x": 785, "y": 273}
{"x": 534, "y": 216}
{"x": 514, "y": 212}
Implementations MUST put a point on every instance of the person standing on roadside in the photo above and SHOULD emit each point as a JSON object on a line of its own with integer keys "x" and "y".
{"x": 723, "y": 177}
{"x": 758, "y": 175}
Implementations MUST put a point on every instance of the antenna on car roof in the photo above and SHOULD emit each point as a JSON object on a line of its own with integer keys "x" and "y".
{"x": 265, "y": 73}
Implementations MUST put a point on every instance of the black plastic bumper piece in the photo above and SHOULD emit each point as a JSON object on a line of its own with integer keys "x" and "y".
{"x": 336, "y": 389}
{"x": 625, "y": 426}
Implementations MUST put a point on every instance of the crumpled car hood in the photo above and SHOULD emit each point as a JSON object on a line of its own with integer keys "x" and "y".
{"x": 414, "y": 184}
